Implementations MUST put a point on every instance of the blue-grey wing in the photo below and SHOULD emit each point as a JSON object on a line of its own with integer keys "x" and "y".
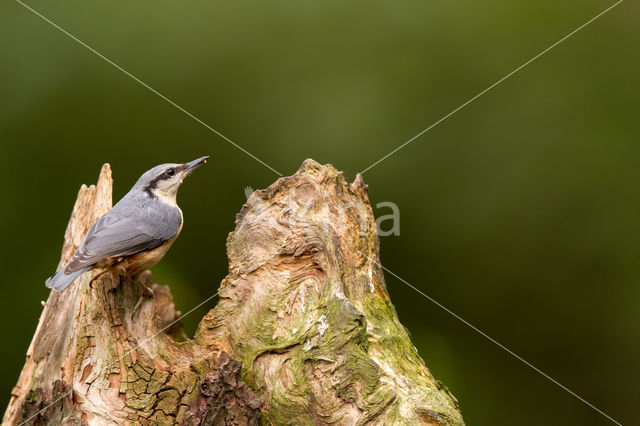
{"x": 122, "y": 232}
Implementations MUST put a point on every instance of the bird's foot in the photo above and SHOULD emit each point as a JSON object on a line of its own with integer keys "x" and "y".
{"x": 98, "y": 276}
{"x": 146, "y": 295}
{"x": 137, "y": 307}
{"x": 145, "y": 281}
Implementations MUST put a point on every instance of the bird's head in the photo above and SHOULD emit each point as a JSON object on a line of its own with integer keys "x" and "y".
{"x": 164, "y": 180}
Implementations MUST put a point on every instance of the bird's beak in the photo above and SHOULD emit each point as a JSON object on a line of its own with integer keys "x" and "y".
{"x": 192, "y": 165}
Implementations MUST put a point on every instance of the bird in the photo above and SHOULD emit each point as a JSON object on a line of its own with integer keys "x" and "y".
{"x": 137, "y": 232}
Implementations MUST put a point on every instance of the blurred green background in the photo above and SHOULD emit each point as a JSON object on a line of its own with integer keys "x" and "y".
{"x": 520, "y": 212}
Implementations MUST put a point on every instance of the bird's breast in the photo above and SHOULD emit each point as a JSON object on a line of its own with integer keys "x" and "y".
{"x": 141, "y": 261}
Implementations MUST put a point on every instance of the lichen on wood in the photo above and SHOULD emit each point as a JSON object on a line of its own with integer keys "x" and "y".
{"x": 304, "y": 331}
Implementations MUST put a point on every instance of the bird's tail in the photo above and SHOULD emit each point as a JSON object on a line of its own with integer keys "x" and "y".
{"x": 61, "y": 280}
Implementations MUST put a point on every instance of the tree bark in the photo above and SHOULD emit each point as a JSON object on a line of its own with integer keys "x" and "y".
{"x": 304, "y": 331}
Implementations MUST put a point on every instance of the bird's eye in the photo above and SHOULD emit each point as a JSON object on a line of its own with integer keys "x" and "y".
{"x": 171, "y": 172}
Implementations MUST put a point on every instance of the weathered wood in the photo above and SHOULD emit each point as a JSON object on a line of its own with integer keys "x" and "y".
{"x": 304, "y": 331}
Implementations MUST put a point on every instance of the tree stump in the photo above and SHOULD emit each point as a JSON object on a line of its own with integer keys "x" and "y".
{"x": 304, "y": 331}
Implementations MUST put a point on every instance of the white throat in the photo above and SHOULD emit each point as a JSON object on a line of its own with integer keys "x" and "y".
{"x": 167, "y": 194}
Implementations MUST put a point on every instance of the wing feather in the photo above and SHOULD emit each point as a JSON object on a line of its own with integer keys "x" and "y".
{"x": 124, "y": 231}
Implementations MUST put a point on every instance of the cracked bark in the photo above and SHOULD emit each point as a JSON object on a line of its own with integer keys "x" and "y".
{"x": 304, "y": 331}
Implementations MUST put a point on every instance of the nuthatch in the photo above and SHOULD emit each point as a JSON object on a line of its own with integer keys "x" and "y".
{"x": 137, "y": 232}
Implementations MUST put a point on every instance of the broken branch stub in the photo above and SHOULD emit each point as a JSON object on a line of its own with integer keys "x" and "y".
{"x": 304, "y": 331}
